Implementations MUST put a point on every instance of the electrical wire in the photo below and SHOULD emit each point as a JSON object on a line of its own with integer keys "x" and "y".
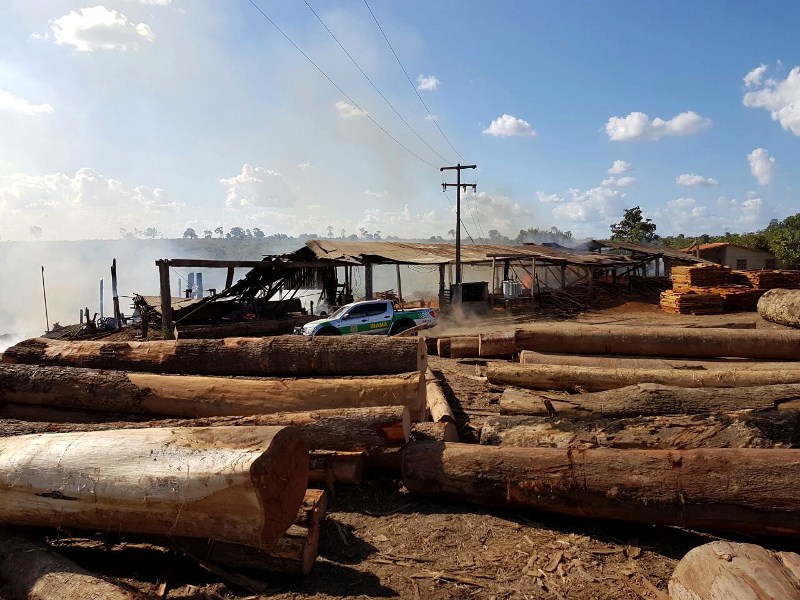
{"x": 353, "y": 60}
{"x": 414, "y": 87}
{"x": 338, "y": 87}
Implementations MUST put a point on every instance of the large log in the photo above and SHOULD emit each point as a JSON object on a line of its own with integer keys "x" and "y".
{"x": 257, "y": 328}
{"x": 529, "y": 357}
{"x": 235, "y": 484}
{"x": 650, "y": 399}
{"x": 723, "y": 569}
{"x": 199, "y": 396}
{"x": 335, "y": 466}
{"x": 743, "y": 490}
{"x": 501, "y": 343}
{"x": 31, "y": 571}
{"x": 594, "y": 379}
{"x": 347, "y": 429}
{"x": 438, "y": 406}
{"x": 566, "y": 338}
{"x": 744, "y": 429}
{"x": 464, "y": 347}
{"x": 286, "y": 356}
{"x": 780, "y": 306}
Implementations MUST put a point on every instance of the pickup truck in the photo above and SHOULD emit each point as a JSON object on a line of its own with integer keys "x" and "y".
{"x": 373, "y": 317}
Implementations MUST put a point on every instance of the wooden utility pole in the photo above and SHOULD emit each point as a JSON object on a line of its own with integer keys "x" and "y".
{"x": 458, "y": 185}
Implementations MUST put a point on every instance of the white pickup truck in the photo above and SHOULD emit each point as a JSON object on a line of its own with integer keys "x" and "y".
{"x": 373, "y": 317}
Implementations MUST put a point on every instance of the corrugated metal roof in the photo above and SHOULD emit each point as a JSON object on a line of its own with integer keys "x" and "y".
{"x": 435, "y": 254}
{"x": 648, "y": 249}
{"x": 715, "y": 245}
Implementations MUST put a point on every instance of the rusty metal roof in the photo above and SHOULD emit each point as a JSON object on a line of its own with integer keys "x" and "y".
{"x": 647, "y": 249}
{"x": 435, "y": 254}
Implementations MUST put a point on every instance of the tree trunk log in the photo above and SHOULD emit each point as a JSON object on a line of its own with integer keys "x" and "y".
{"x": 724, "y": 569}
{"x": 744, "y": 429}
{"x": 529, "y": 357}
{"x": 743, "y": 490}
{"x": 780, "y": 306}
{"x": 464, "y": 347}
{"x": 595, "y": 379}
{"x": 650, "y": 399}
{"x": 235, "y": 484}
{"x": 443, "y": 347}
{"x": 31, "y": 571}
{"x": 431, "y": 345}
{"x": 334, "y": 466}
{"x": 501, "y": 343}
{"x": 286, "y": 356}
{"x": 438, "y": 406}
{"x": 199, "y": 396}
{"x": 295, "y": 552}
{"x": 258, "y": 328}
{"x": 346, "y": 429}
{"x": 428, "y": 432}
{"x": 767, "y": 344}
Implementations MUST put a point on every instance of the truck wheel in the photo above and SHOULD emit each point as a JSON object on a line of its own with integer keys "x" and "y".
{"x": 400, "y": 327}
{"x": 327, "y": 331}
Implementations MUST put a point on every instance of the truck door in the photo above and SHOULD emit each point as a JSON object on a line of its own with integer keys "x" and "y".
{"x": 378, "y": 318}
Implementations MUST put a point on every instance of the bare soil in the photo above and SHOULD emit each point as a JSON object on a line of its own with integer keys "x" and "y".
{"x": 380, "y": 541}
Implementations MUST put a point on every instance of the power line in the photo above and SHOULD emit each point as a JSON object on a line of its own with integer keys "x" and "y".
{"x": 353, "y": 60}
{"x": 334, "y": 84}
{"x": 414, "y": 87}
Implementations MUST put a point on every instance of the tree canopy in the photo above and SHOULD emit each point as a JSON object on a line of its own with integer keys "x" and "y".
{"x": 633, "y": 227}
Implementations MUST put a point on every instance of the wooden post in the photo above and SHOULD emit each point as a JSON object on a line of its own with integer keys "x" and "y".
{"x": 657, "y": 267}
{"x": 368, "y": 281}
{"x": 533, "y": 279}
{"x": 667, "y": 267}
{"x": 166, "y": 298}
{"x": 494, "y": 279}
{"x": 229, "y": 278}
{"x": 441, "y": 285}
{"x": 114, "y": 294}
{"x": 506, "y": 270}
{"x": 399, "y": 285}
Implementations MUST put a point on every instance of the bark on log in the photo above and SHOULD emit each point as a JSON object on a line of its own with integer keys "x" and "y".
{"x": 767, "y": 344}
{"x": 780, "y": 306}
{"x": 744, "y": 429}
{"x": 235, "y": 484}
{"x": 428, "y": 432}
{"x": 334, "y": 466}
{"x": 464, "y": 347}
{"x": 199, "y": 396}
{"x": 724, "y": 569}
{"x": 431, "y": 345}
{"x": 743, "y": 490}
{"x": 595, "y": 379}
{"x": 650, "y": 399}
{"x": 32, "y": 571}
{"x": 295, "y": 552}
{"x": 259, "y": 328}
{"x": 501, "y": 343}
{"x": 443, "y": 347}
{"x": 438, "y": 406}
{"x": 529, "y": 357}
{"x": 285, "y": 356}
{"x": 347, "y": 429}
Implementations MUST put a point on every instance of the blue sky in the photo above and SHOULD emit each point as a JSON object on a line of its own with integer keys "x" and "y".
{"x": 177, "y": 113}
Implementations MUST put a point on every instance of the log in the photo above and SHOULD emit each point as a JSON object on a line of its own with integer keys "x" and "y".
{"x": 235, "y": 484}
{"x": 769, "y": 344}
{"x": 742, "y": 490}
{"x": 780, "y": 306}
{"x": 744, "y": 429}
{"x": 464, "y": 347}
{"x": 256, "y": 328}
{"x": 286, "y": 356}
{"x": 335, "y": 466}
{"x": 443, "y": 431}
{"x": 595, "y": 379}
{"x": 529, "y": 357}
{"x": 348, "y": 429}
{"x": 723, "y": 569}
{"x": 438, "y": 406}
{"x": 295, "y": 552}
{"x": 199, "y": 396}
{"x": 32, "y": 571}
{"x": 650, "y": 399}
{"x": 497, "y": 344}
{"x": 431, "y": 345}
{"x": 443, "y": 347}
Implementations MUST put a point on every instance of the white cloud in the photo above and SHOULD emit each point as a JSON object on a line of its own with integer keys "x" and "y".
{"x": 620, "y": 166}
{"x": 781, "y": 98}
{"x": 156, "y": 2}
{"x": 376, "y": 194}
{"x": 428, "y": 83}
{"x": 638, "y": 126}
{"x": 493, "y": 212}
{"x": 304, "y": 166}
{"x": 685, "y": 215}
{"x": 347, "y": 110}
{"x": 695, "y": 180}
{"x": 753, "y": 78}
{"x": 762, "y": 165}
{"x": 595, "y": 205}
{"x": 619, "y": 181}
{"x": 98, "y": 28}
{"x": 11, "y": 103}
{"x": 257, "y": 186}
{"x": 506, "y": 126}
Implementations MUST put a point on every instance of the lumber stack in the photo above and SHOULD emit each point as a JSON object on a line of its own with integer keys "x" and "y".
{"x": 684, "y": 278}
{"x": 737, "y": 297}
{"x": 766, "y": 279}
{"x": 691, "y": 302}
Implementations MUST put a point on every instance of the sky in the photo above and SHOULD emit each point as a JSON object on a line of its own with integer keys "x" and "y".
{"x": 129, "y": 114}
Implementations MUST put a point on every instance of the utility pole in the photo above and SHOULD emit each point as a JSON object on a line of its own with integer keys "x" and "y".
{"x": 458, "y": 185}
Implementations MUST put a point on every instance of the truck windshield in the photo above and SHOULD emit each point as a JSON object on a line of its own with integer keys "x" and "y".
{"x": 339, "y": 312}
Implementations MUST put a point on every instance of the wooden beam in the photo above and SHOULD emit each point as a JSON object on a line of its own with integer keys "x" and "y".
{"x": 251, "y": 264}
{"x": 368, "y": 281}
{"x": 166, "y": 297}
{"x": 229, "y": 278}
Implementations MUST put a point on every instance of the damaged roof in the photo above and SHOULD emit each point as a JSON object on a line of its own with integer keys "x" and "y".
{"x": 641, "y": 248}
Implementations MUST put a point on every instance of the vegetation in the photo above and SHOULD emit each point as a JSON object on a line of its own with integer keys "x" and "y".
{"x": 634, "y": 228}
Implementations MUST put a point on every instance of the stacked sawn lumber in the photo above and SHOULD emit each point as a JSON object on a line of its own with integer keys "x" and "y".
{"x": 691, "y": 302}
{"x": 228, "y": 486}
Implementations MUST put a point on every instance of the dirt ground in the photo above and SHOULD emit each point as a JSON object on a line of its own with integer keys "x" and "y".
{"x": 380, "y": 541}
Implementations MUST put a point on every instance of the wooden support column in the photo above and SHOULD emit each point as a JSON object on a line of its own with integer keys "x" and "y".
{"x": 229, "y": 278}
{"x": 657, "y": 267}
{"x": 533, "y": 278}
{"x": 115, "y": 294}
{"x": 590, "y": 275}
{"x": 441, "y": 285}
{"x": 368, "y": 281}
{"x": 506, "y": 270}
{"x": 667, "y": 267}
{"x": 399, "y": 285}
{"x": 166, "y": 297}
{"x": 494, "y": 279}
{"x": 563, "y": 276}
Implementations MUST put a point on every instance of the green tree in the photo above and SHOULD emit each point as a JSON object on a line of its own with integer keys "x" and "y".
{"x": 633, "y": 227}
{"x": 783, "y": 239}
{"x": 257, "y": 233}
{"x": 189, "y": 234}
